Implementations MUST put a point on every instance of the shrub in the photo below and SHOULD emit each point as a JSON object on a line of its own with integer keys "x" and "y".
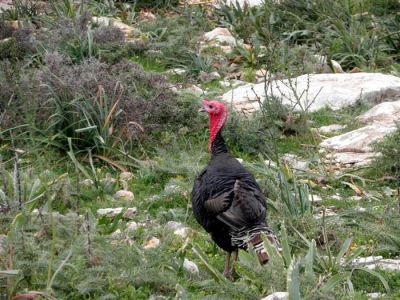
{"x": 389, "y": 161}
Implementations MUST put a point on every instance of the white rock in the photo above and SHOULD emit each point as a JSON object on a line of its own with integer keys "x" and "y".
{"x": 3, "y": 239}
{"x": 360, "y": 209}
{"x": 277, "y": 296}
{"x": 5, "y": 4}
{"x": 314, "y": 198}
{"x": 87, "y": 182}
{"x": 242, "y": 3}
{"x": 195, "y": 90}
{"x": 106, "y": 21}
{"x": 178, "y": 228}
{"x": 132, "y": 226}
{"x": 355, "y": 198}
{"x": 336, "y": 197}
{"x": 383, "y": 113}
{"x": 364, "y": 261}
{"x": 117, "y": 234}
{"x": 190, "y": 267}
{"x": 129, "y": 213}
{"x": 221, "y": 35}
{"x": 152, "y": 243}
{"x": 373, "y": 296}
{"x": 294, "y": 162}
{"x": 126, "y": 176}
{"x": 270, "y": 163}
{"x": 239, "y": 160}
{"x": 352, "y": 158}
{"x": 389, "y": 264}
{"x": 109, "y": 212}
{"x": 326, "y": 90}
{"x": 177, "y": 71}
{"x": 331, "y": 128}
{"x": 358, "y": 140}
{"x": 124, "y": 195}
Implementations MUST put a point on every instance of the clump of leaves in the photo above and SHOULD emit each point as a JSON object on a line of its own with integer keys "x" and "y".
{"x": 17, "y": 45}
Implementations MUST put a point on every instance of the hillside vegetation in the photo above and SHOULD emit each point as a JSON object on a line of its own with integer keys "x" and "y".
{"x": 99, "y": 108}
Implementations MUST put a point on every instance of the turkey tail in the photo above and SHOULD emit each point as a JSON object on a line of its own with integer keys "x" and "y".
{"x": 258, "y": 246}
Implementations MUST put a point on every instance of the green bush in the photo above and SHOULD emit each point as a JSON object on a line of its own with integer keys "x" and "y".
{"x": 389, "y": 160}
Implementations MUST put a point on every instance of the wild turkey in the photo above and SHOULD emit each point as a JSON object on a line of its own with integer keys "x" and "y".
{"x": 227, "y": 201}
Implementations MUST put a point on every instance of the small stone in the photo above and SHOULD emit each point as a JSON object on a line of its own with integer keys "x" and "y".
{"x": 336, "y": 197}
{"x": 109, "y": 212}
{"x": 239, "y": 160}
{"x": 314, "y": 198}
{"x": 277, "y": 296}
{"x": 373, "y": 296}
{"x": 261, "y": 73}
{"x": 195, "y": 90}
{"x": 124, "y": 195}
{"x": 132, "y": 226}
{"x": 205, "y": 77}
{"x": 178, "y": 228}
{"x": 129, "y": 213}
{"x": 190, "y": 267}
{"x": 355, "y": 198}
{"x": 331, "y": 128}
{"x": 177, "y": 71}
{"x": 152, "y": 243}
{"x": 3, "y": 239}
{"x": 117, "y": 234}
{"x": 87, "y": 182}
{"x": 126, "y": 176}
{"x": 360, "y": 209}
{"x": 146, "y": 16}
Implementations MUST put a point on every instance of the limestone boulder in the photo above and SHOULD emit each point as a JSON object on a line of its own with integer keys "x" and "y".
{"x": 317, "y": 91}
{"x": 383, "y": 113}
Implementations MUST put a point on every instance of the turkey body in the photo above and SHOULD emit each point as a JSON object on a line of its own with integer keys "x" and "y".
{"x": 238, "y": 206}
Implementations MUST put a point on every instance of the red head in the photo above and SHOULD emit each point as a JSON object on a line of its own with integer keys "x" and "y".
{"x": 217, "y": 114}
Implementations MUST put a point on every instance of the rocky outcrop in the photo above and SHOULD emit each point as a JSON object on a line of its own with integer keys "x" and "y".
{"x": 317, "y": 91}
{"x": 354, "y": 147}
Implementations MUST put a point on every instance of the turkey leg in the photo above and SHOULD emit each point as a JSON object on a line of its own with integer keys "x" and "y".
{"x": 227, "y": 270}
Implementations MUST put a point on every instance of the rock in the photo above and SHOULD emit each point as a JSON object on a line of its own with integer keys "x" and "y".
{"x": 261, "y": 73}
{"x": 195, "y": 90}
{"x": 331, "y": 128}
{"x": 129, "y": 213}
{"x": 132, "y": 226}
{"x": 314, "y": 198}
{"x": 241, "y": 3}
{"x": 178, "y": 228}
{"x": 207, "y": 77}
{"x": 383, "y": 113}
{"x": 152, "y": 243}
{"x": 117, "y": 234}
{"x": 326, "y": 90}
{"x": 3, "y": 240}
{"x": 389, "y": 264}
{"x": 129, "y": 31}
{"x": 350, "y": 158}
{"x": 239, "y": 160}
{"x": 294, "y": 162}
{"x": 358, "y": 140}
{"x": 176, "y": 71}
{"x": 373, "y": 296}
{"x": 146, "y": 16}
{"x": 355, "y": 198}
{"x": 124, "y": 195}
{"x": 328, "y": 213}
{"x": 277, "y": 296}
{"x": 5, "y": 4}
{"x": 360, "y": 209}
{"x": 109, "y": 212}
{"x": 126, "y": 176}
{"x": 87, "y": 182}
{"x": 270, "y": 163}
{"x": 220, "y": 35}
{"x": 336, "y": 197}
{"x": 226, "y": 49}
{"x": 190, "y": 267}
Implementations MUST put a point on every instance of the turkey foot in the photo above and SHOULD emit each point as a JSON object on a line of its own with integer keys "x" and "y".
{"x": 228, "y": 270}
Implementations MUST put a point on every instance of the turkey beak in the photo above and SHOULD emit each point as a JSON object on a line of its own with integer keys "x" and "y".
{"x": 201, "y": 109}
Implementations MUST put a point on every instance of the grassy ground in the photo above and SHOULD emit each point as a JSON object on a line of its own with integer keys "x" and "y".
{"x": 67, "y": 137}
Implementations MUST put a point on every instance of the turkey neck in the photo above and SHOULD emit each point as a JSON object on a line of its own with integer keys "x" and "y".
{"x": 218, "y": 145}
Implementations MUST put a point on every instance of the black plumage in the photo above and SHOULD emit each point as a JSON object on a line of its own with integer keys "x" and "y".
{"x": 228, "y": 203}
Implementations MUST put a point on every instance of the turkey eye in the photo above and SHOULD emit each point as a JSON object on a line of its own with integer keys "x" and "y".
{"x": 211, "y": 106}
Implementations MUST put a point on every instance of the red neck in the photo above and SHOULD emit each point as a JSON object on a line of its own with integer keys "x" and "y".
{"x": 216, "y": 124}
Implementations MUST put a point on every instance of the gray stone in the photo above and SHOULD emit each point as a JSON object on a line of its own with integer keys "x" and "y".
{"x": 383, "y": 113}
{"x": 220, "y": 35}
{"x": 207, "y": 77}
{"x": 294, "y": 162}
{"x": 359, "y": 140}
{"x": 277, "y": 296}
{"x": 317, "y": 91}
{"x": 124, "y": 195}
{"x": 190, "y": 267}
{"x": 331, "y": 128}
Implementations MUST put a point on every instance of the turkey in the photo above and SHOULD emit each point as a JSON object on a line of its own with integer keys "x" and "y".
{"x": 227, "y": 201}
